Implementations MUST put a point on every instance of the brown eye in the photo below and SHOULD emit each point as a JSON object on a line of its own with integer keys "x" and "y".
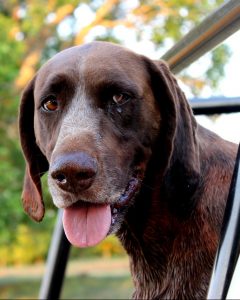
{"x": 121, "y": 99}
{"x": 50, "y": 104}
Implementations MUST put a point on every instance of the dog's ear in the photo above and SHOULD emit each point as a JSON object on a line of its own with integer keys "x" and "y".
{"x": 177, "y": 144}
{"x": 36, "y": 163}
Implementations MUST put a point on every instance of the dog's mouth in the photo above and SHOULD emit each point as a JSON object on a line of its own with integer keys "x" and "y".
{"x": 87, "y": 224}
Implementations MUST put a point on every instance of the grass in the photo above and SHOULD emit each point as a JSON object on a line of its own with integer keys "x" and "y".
{"x": 88, "y": 279}
{"x": 75, "y": 287}
{"x": 87, "y": 287}
{"x": 19, "y": 288}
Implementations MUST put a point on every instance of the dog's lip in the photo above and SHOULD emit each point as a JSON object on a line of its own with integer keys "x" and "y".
{"x": 131, "y": 190}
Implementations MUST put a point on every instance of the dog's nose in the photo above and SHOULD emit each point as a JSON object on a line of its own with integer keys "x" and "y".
{"x": 74, "y": 171}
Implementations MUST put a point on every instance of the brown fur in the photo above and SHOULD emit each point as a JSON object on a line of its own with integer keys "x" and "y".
{"x": 171, "y": 229}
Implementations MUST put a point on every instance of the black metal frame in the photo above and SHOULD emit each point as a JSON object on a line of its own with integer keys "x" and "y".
{"x": 213, "y": 30}
{"x": 56, "y": 263}
{"x": 215, "y": 105}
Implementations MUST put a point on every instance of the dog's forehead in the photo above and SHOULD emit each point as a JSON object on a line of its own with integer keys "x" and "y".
{"x": 91, "y": 62}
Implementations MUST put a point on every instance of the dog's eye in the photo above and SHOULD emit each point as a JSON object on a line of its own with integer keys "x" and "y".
{"x": 50, "y": 104}
{"x": 121, "y": 98}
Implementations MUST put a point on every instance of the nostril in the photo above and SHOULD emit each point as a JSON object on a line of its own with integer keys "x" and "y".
{"x": 74, "y": 171}
{"x": 60, "y": 177}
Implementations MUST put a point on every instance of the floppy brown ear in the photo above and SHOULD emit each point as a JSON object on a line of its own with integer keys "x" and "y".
{"x": 178, "y": 148}
{"x": 36, "y": 163}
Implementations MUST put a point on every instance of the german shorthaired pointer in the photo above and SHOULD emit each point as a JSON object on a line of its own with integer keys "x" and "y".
{"x": 125, "y": 155}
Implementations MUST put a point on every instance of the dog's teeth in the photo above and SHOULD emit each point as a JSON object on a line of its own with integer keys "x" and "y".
{"x": 115, "y": 210}
{"x": 113, "y": 221}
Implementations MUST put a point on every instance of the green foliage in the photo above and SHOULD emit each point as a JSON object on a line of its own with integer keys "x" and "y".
{"x": 219, "y": 58}
{"x": 29, "y": 246}
{"x": 10, "y": 64}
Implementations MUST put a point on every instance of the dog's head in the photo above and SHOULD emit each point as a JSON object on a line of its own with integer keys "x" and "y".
{"x": 94, "y": 116}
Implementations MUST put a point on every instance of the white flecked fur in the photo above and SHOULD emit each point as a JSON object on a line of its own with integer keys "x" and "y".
{"x": 81, "y": 121}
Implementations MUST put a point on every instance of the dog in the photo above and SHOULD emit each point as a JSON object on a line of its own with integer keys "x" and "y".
{"x": 125, "y": 156}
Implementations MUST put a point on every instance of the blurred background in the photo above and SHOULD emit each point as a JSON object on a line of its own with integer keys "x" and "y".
{"x": 30, "y": 33}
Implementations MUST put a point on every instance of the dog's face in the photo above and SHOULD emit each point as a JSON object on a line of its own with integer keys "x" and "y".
{"x": 98, "y": 115}
{"x": 95, "y": 122}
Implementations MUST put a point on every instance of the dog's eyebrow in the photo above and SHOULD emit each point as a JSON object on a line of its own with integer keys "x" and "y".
{"x": 56, "y": 83}
{"x": 121, "y": 86}
{"x": 112, "y": 82}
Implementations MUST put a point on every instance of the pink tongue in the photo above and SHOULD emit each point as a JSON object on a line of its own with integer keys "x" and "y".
{"x": 86, "y": 226}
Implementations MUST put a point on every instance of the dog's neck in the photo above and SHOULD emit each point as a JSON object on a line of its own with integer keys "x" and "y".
{"x": 172, "y": 231}
{"x": 151, "y": 236}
